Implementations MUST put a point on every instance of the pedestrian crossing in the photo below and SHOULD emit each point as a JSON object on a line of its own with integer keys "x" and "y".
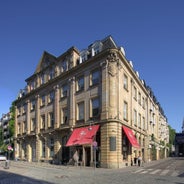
{"x": 161, "y": 172}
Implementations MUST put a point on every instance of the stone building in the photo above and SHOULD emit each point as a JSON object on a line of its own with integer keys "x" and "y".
{"x": 179, "y": 143}
{"x": 90, "y": 102}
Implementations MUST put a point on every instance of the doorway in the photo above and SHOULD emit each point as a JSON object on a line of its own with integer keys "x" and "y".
{"x": 87, "y": 156}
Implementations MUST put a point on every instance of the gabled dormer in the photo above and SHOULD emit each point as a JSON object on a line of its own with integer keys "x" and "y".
{"x": 45, "y": 61}
{"x": 41, "y": 75}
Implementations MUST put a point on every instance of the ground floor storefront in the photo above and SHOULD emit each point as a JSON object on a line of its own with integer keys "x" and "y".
{"x": 107, "y": 145}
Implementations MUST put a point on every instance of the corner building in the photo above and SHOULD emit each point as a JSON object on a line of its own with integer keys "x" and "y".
{"x": 91, "y": 101}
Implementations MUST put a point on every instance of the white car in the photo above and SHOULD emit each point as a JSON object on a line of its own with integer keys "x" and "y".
{"x": 2, "y": 158}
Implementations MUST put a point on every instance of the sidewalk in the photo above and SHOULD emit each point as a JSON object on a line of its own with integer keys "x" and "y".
{"x": 43, "y": 164}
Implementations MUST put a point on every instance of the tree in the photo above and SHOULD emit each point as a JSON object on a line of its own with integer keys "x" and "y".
{"x": 172, "y": 134}
{"x": 12, "y": 120}
{"x": 1, "y": 136}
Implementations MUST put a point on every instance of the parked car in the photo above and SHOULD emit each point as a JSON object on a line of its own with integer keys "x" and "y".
{"x": 2, "y": 158}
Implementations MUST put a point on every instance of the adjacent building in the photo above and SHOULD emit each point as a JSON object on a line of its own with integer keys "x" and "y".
{"x": 4, "y": 124}
{"x": 93, "y": 102}
{"x": 179, "y": 143}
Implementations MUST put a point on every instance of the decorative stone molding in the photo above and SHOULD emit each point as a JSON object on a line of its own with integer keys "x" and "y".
{"x": 113, "y": 62}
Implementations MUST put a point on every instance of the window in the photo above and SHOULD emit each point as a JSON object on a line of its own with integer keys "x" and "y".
{"x": 80, "y": 83}
{"x": 64, "y": 66}
{"x": 51, "y": 96}
{"x": 64, "y": 116}
{"x": 24, "y": 108}
{"x": 19, "y": 128}
{"x": 139, "y": 98}
{"x": 43, "y": 149}
{"x": 24, "y": 127}
{"x": 143, "y": 102}
{"x": 51, "y": 147}
{"x": 95, "y": 107}
{"x": 125, "y": 145}
{"x": 19, "y": 111}
{"x": 80, "y": 111}
{"x": 32, "y": 85}
{"x": 64, "y": 90}
{"x": 125, "y": 111}
{"x": 96, "y": 49}
{"x": 51, "y": 120}
{"x": 42, "y": 126}
{"x": 42, "y": 78}
{"x": 135, "y": 117}
{"x": 33, "y": 125}
{"x": 125, "y": 82}
{"x": 135, "y": 93}
{"x": 143, "y": 123}
{"x": 33, "y": 105}
{"x": 95, "y": 77}
{"x": 139, "y": 121}
{"x": 42, "y": 100}
{"x": 51, "y": 74}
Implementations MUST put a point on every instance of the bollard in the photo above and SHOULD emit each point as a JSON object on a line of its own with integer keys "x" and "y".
{"x": 7, "y": 164}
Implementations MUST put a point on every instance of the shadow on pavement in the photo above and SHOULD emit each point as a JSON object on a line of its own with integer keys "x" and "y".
{"x": 11, "y": 178}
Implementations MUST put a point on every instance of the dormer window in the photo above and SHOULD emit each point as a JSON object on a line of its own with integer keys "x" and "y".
{"x": 64, "y": 65}
{"x": 32, "y": 85}
{"x": 96, "y": 48}
{"x": 51, "y": 74}
{"x": 84, "y": 55}
{"x": 42, "y": 78}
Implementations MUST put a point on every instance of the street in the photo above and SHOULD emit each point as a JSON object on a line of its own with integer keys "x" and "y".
{"x": 168, "y": 171}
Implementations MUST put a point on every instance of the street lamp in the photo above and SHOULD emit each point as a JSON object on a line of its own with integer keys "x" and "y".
{"x": 94, "y": 145}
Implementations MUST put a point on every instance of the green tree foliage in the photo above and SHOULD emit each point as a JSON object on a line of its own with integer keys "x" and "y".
{"x": 12, "y": 120}
{"x": 1, "y": 136}
{"x": 172, "y": 134}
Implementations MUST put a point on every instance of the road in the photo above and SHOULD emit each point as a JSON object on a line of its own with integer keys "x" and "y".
{"x": 168, "y": 171}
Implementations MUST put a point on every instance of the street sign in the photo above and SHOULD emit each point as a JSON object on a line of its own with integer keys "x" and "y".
{"x": 95, "y": 144}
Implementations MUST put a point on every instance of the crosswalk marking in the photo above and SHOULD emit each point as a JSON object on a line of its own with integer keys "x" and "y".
{"x": 138, "y": 171}
{"x": 175, "y": 173}
{"x": 156, "y": 171}
{"x": 146, "y": 171}
{"x": 164, "y": 172}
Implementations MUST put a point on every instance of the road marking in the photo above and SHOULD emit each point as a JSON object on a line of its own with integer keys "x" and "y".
{"x": 164, "y": 172}
{"x": 175, "y": 173}
{"x": 146, "y": 171}
{"x": 156, "y": 171}
{"x": 138, "y": 171}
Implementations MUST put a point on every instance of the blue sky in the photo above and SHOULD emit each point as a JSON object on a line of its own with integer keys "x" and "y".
{"x": 151, "y": 32}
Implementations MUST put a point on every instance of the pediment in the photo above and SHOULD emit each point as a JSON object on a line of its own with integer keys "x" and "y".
{"x": 46, "y": 60}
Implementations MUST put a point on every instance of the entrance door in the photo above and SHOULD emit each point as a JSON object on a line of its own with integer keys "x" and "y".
{"x": 87, "y": 156}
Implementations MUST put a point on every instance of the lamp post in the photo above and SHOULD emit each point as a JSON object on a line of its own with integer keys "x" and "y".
{"x": 94, "y": 146}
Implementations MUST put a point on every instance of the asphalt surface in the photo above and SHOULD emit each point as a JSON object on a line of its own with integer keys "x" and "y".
{"x": 156, "y": 172}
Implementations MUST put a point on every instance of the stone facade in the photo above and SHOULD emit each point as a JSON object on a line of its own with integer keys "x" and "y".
{"x": 82, "y": 88}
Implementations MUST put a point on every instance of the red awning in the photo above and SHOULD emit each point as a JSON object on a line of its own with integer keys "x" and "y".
{"x": 131, "y": 137}
{"x": 82, "y": 135}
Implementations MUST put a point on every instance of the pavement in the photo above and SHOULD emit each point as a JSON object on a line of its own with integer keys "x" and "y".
{"x": 43, "y": 164}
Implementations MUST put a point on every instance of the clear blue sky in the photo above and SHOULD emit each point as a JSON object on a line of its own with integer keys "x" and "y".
{"x": 151, "y": 32}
